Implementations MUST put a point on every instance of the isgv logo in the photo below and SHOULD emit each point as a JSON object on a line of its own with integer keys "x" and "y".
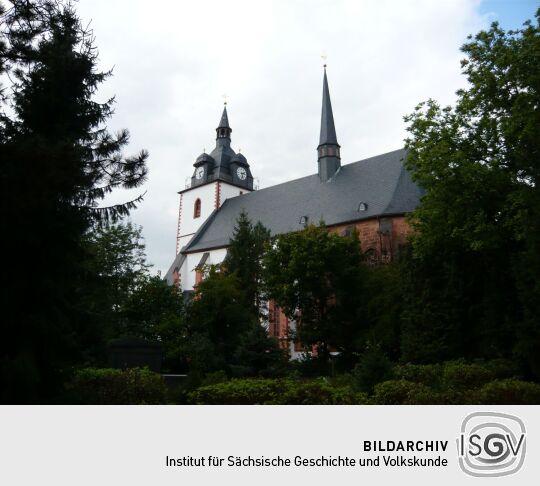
{"x": 491, "y": 444}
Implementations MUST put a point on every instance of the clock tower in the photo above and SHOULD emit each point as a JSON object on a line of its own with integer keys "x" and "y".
{"x": 217, "y": 176}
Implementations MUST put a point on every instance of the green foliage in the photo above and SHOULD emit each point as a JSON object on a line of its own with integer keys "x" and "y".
{"x": 222, "y": 333}
{"x": 399, "y": 392}
{"x": 509, "y": 392}
{"x": 244, "y": 259}
{"x": 429, "y": 375}
{"x": 258, "y": 354}
{"x": 459, "y": 375}
{"x": 249, "y": 391}
{"x": 316, "y": 277}
{"x": 58, "y": 164}
{"x": 471, "y": 285}
{"x": 104, "y": 386}
{"x": 382, "y": 307}
{"x": 456, "y": 382}
{"x": 318, "y": 393}
{"x": 217, "y": 320}
{"x": 275, "y": 392}
{"x": 155, "y": 311}
{"x": 117, "y": 260}
{"x": 373, "y": 367}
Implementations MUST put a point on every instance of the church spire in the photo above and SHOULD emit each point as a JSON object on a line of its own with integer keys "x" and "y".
{"x": 223, "y": 131}
{"x": 328, "y": 149}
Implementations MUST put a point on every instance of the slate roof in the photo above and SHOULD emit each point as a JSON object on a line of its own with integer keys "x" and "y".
{"x": 224, "y": 122}
{"x": 328, "y": 129}
{"x": 381, "y": 182}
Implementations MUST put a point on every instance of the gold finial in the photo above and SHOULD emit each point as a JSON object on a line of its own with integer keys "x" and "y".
{"x": 324, "y": 57}
{"x": 224, "y": 99}
{"x": 239, "y": 150}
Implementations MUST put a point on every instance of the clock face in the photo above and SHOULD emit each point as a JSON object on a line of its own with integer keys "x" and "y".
{"x": 241, "y": 173}
{"x": 199, "y": 172}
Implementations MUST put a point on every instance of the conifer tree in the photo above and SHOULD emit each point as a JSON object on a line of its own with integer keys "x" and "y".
{"x": 58, "y": 162}
{"x": 244, "y": 258}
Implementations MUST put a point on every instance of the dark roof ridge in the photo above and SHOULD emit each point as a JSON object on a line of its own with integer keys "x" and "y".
{"x": 316, "y": 175}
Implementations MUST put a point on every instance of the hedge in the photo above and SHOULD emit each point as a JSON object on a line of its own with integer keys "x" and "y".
{"x": 275, "y": 392}
{"x": 107, "y": 386}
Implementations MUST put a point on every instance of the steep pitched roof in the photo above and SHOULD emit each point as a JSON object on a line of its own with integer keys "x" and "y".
{"x": 224, "y": 121}
{"x": 328, "y": 129}
{"x": 381, "y": 182}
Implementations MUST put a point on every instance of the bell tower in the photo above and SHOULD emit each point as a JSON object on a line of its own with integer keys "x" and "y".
{"x": 219, "y": 175}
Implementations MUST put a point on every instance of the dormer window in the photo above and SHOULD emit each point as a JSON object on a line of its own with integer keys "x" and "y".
{"x": 197, "y": 209}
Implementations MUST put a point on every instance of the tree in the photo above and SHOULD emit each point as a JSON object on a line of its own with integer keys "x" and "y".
{"x": 316, "y": 278}
{"x": 244, "y": 258}
{"x": 58, "y": 163}
{"x": 473, "y": 277}
{"x": 117, "y": 256}
{"x": 223, "y": 334}
{"x": 218, "y": 317}
{"x": 155, "y": 310}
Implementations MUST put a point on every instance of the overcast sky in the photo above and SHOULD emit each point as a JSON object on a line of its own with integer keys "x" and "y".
{"x": 174, "y": 60}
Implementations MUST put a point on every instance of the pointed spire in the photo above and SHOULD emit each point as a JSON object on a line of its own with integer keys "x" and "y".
{"x": 328, "y": 129}
{"x": 328, "y": 150}
{"x": 223, "y": 131}
{"x": 224, "y": 122}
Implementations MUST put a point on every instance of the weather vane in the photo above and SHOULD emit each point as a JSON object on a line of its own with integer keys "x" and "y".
{"x": 225, "y": 99}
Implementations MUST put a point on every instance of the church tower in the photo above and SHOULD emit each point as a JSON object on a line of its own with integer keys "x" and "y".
{"x": 216, "y": 176}
{"x": 328, "y": 149}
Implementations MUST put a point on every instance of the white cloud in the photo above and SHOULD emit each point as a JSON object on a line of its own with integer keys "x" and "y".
{"x": 173, "y": 61}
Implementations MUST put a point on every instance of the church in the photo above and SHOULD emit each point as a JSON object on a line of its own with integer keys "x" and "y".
{"x": 372, "y": 195}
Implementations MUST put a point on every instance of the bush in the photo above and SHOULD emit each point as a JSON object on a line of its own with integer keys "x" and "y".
{"x": 318, "y": 393}
{"x": 106, "y": 386}
{"x": 214, "y": 378}
{"x": 459, "y": 375}
{"x": 503, "y": 368}
{"x": 509, "y": 392}
{"x": 236, "y": 392}
{"x": 275, "y": 392}
{"x": 429, "y": 375}
{"x": 403, "y": 392}
{"x": 374, "y": 367}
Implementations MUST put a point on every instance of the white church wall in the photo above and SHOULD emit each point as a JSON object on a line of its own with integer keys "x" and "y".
{"x": 192, "y": 260}
{"x": 228, "y": 191}
{"x": 188, "y": 224}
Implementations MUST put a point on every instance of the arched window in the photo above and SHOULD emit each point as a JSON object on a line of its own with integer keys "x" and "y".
{"x": 197, "y": 209}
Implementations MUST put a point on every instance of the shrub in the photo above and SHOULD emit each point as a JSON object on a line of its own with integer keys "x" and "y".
{"x": 402, "y": 392}
{"x": 459, "y": 375}
{"x": 275, "y": 392}
{"x": 236, "y": 392}
{"x": 503, "y": 368}
{"x": 374, "y": 367}
{"x": 215, "y": 377}
{"x": 318, "y": 393}
{"x": 509, "y": 392}
{"x": 105, "y": 386}
{"x": 429, "y": 375}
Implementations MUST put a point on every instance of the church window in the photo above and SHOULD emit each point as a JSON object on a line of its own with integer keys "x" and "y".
{"x": 197, "y": 209}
